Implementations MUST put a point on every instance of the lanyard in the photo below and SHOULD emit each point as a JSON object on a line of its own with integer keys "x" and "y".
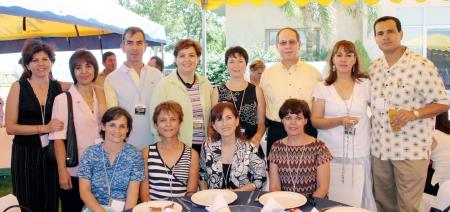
{"x": 234, "y": 100}
{"x": 290, "y": 171}
{"x": 141, "y": 82}
{"x": 108, "y": 180}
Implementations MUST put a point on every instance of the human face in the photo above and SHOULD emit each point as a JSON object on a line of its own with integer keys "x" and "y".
{"x": 294, "y": 124}
{"x": 134, "y": 47}
{"x": 116, "y": 130}
{"x": 40, "y": 65}
{"x": 255, "y": 76}
{"x": 84, "y": 72}
{"x": 236, "y": 66}
{"x": 187, "y": 60}
{"x": 344, "y": 61}
{"x": 288, "y": 46}
{"x": 110, "y": 63}
{"x": 227, "y": 125}
{"x": 168, "y": 124}
{"x": 387, "y": 37}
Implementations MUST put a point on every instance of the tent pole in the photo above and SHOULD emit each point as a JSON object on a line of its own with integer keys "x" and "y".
{"x": 204, "y": 49}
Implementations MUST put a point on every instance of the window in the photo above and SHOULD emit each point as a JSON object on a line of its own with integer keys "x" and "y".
{"x": 427, "y": 32}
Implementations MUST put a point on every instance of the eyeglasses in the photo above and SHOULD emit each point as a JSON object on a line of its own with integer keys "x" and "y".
{"x": 286, "y": 42}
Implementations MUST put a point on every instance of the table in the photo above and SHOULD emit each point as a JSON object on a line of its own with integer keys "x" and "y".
{"x": 243, "y": 199}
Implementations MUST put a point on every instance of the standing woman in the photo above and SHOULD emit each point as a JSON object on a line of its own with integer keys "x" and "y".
{"x": 88, "y": 103}
{"x": 173, "y": 165}
{"x": 247, "y": 98}
{"x": 339, "y": 112}
{"x": 191, "y": 91}
{"x": 28, "y": 113}
{"x": 228, "y": 160}
{"x": 110, "y": 172}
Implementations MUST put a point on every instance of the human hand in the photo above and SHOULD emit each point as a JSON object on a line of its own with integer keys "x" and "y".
{"x": 349, "y": 121}
{"x": 65, "y": 181}
{"x": 402, "y": 117}
{"x": 54, "y": 125}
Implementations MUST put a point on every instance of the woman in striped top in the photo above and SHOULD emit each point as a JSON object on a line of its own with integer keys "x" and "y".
{"x": 172, "y": 167}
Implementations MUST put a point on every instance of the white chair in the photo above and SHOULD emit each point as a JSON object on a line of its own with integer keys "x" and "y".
{"x": 443, "y": 196}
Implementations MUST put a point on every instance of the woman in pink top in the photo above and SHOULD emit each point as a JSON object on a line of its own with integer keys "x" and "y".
{"x": 88, "y": 104}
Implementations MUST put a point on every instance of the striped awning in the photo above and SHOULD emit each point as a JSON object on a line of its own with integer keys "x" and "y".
{"x": 213, "y": 4}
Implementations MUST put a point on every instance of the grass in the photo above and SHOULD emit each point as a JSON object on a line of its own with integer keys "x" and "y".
{"x": 5, "y": 182}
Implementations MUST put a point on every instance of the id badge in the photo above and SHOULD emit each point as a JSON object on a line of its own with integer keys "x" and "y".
{"x": 139, "y": 109}
{"x": 198, "y": 123}
{"x": 349, "y": 130}
{"x": 380, "y": 104}
{"x": 117, "y": 205}
{"x": 44, "y": 140}
{"x": 242, "y": 130}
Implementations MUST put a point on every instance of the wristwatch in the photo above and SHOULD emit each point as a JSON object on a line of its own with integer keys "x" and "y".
{"x": 416, "y": 113}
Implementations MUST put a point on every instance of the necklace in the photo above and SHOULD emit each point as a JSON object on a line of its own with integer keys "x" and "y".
{"x": 227, "y": 174}
{"x": 290, "y": 171}
{"x": 234, "y": 100}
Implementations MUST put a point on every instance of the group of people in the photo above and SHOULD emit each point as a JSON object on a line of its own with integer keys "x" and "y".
{"x": 142, "y": 136}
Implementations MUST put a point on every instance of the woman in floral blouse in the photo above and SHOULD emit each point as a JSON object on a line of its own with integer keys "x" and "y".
{"x": 228, "y": 161}
{"x": 110, "y": 172}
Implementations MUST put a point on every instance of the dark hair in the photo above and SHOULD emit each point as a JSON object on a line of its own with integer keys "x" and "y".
{"x": 186, "y": 43}
{"x": 234, "y": 52}
{"x": 115, "y": 113}
{"x": 356, "y": 70}
{"x": 168, "y": 107}
{"x": 159, "y": 62}
{"x": 106, "y": 55}
{"x": 398, "y": 24}
{"x": 442, "y": 122}
{"x": 256, "y": 64}
{"x": 82, "y": 54}
{"x": 216, "y": 115}
{"x": 297, "y": 36}
{"x": 132, "y": 31}
{"x": 294, "y": 106}
{"x": 31, "y": 47}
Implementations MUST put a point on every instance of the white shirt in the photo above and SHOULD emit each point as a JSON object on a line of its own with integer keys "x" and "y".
{"x": 280, "y": 83}
{"x": 411, "y": 83}
{"x": 336, "y": 107}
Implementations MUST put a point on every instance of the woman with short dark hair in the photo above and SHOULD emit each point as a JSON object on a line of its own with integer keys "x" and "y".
{"x": 28, "y": 118}
{"x": 299, "y": 163}
{"x": 228, "y": 160}
{"x": 110, "y": 172}
{"x": 88, "y": 106}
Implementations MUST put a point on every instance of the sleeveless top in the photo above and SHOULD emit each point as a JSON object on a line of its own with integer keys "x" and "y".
{"x": 160, "y": 176}
{"x": 246, "y": 104}
{"x": 30, "y": 111}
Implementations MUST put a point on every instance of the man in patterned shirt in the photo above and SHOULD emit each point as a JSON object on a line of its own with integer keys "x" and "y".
{"x": 406, "y": 95}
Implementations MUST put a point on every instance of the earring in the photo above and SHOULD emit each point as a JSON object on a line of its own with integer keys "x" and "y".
{"x": 334, "y": 68}
{"x": 353, "y": 69}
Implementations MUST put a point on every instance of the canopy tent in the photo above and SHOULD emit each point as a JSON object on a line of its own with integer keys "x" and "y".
{"x": 214, "y": 4}
{"x": 69, "y": 25}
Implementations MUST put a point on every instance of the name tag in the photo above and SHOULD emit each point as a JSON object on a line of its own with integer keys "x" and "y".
{"x": 139, "y": 109}
{"x": 380, "y": 104}
{"x": 198, "y": 123}
{"x": 44, "y": 140}
{"x": 117, "y": 205}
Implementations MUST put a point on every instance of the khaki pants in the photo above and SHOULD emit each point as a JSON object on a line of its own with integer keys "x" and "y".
{"x": 398, "y": 184}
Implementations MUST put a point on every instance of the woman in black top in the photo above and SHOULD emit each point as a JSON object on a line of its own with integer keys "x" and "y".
{"x": 247, "y": 98}
{"x": 28, "y": 113}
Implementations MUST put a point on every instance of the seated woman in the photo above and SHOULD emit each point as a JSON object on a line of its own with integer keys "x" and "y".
{"x": 228, "y": 161}
{"x": 173, "y": 165}
{"x": 110, "y": 171}
{"x": 299, "y": 163}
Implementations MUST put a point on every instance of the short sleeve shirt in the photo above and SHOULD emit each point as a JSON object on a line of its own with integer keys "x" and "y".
{"x": 128, "y": 166}
{"x": 297, "y": 165}
{"x": 410, "y": 84}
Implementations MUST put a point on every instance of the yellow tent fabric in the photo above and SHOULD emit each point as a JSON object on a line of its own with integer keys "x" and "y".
{"x": 213, "y": 4}
{"x": 41, "y": 28}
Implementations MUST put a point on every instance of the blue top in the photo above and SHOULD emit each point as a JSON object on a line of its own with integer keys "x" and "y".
{"x": 130, "y": 167}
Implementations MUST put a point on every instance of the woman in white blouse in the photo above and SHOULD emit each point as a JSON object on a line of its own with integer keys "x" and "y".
{"x": 339, "y": 112}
